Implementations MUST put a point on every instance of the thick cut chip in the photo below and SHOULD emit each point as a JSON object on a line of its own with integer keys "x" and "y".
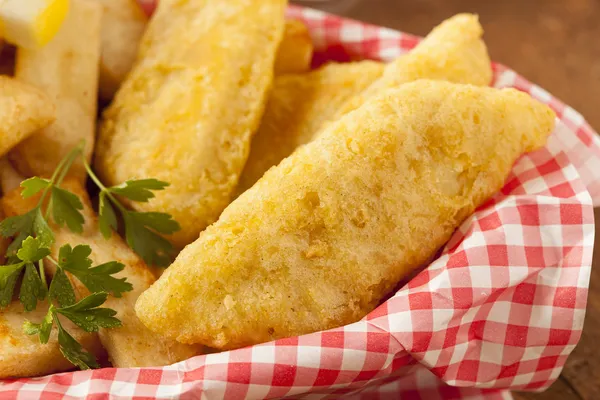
{"x": 296, "y": 49}
{"x": 188, "y": 109}
{"x": 22, "y": 355}
{"x": 298, "y": 107}
{"x": 23, "y": 110}
{"x": 323, "y": 237}
{"x": 123, "y": 25}
{"x": 453, "y": 51}
{"x": 67, "y": 70}
{"x": 132, "y": 345}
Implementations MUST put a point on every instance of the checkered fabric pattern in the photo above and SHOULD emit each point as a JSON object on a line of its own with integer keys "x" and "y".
{"x": 501, "y": 308}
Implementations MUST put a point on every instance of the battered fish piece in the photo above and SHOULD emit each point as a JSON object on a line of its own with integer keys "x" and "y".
{"x": 298, "y": 107}
{"x": 188, "y": 109}
{"x": 132, "y": 345}
{"x": 23, "y": 110}
{"x": 296, "y": 49}
{"x": 324, "y": 236}
{"x": 67, "y": 70}
{"x": 22, "y": 355}
{"x": 453, "y": 51}
{"x": 10, "y": 179}
{"x": 123, "y": 25}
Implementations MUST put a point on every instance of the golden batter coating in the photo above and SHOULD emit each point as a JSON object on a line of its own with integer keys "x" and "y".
{"x": 298, "y": 107}
{"x": 188, "y": 109}
{"x": 325, "y": 235}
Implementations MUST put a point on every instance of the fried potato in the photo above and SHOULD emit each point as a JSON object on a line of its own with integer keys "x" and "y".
{"x": 296, "y": 50}
{"x": 67, "y": 70}
{"x": 296, "y": 112}
{"x": 132, "y": 345}
{"x": 453, "y": 51}
{"x": 10, "y": 179}
{"x": 298, "y": 107}
{"x": 22, "y": 355}
{"x": 23, "y": 110}
{"x": 188, "y": 109}
{"x": 324, "y": 236}
{"x": 123, "y": 25}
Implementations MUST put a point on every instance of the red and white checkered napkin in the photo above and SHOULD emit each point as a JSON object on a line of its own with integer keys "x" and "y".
{"x": 501, "y": 308}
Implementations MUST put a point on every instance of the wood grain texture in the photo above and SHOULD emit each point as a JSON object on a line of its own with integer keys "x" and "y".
{"x": 554, "y": 43}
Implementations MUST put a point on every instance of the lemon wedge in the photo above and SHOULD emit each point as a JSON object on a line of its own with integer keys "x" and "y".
{"x": 31, "y": 23}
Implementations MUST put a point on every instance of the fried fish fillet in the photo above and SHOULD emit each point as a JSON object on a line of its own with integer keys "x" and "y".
{"x": 132, "y": 345}
{"x": 325, "y": 235}
{"x": 453, "y": 51}
{"x": 23, "y": 110}
{"x": 298, "y": 106}
{"x": 123, "y": 25}
{"x": 22, "y": 355}
{"x": 188, "y": 109}
{"x": 296, "y": 50}
{"x": 67, "y": 70}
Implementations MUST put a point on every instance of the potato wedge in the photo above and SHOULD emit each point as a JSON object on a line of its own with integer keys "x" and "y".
{"x": 67, "y": 70}
{"x": 132, "y": 345}
{"x": 296, "y": 49}
{"x": 23, "y": 110}
{"x": 22, "y": 355}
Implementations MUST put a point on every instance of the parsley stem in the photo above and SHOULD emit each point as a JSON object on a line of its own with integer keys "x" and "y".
{"x": 43, "y": 273}
{"x": 103, "y": 188}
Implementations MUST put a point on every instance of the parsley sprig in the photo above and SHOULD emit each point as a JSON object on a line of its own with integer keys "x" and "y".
{"x": 30, "y": 252}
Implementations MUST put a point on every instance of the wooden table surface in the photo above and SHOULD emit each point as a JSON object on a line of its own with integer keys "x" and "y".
{"x": 554, "y": 43}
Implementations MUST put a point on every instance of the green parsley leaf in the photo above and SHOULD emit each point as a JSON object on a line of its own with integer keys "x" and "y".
{"x": 138, "y": 190}
{"x": 88, "y": 316}
{"x": 66, "y": 208}
{"x": 32, "y": 288}
{"x": 31, "y": 250}
{"x": 6, "y": 271}
{"x": 160, "y": 222}
{"x": 107, "y": 218}
{"x": 19, "y": 223}
{"x": 42, "y": 230}
{"x": 33, "y": 185}
{"x": 61, "y": 289}
{"x": 73, "y": 351}
{"x": 6, "y": 294}
{"x": 97, "y": 279}
{"x": 43, "y": 329}
{"x": 153, "y": 248}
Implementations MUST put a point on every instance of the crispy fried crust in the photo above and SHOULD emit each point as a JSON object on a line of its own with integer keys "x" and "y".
{"x": 132, "y": 345}
{"x": 67, "y": 70}
{"x": 325, "y": 235}
{"x": 300, "y": 105}
{"x": 23, "y": 110}
{"x": 188, "y": 109}
{"x": 296, "y": 50}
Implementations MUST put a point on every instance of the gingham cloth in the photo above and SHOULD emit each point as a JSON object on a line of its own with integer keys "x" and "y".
{"x": 501, "y": 308}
